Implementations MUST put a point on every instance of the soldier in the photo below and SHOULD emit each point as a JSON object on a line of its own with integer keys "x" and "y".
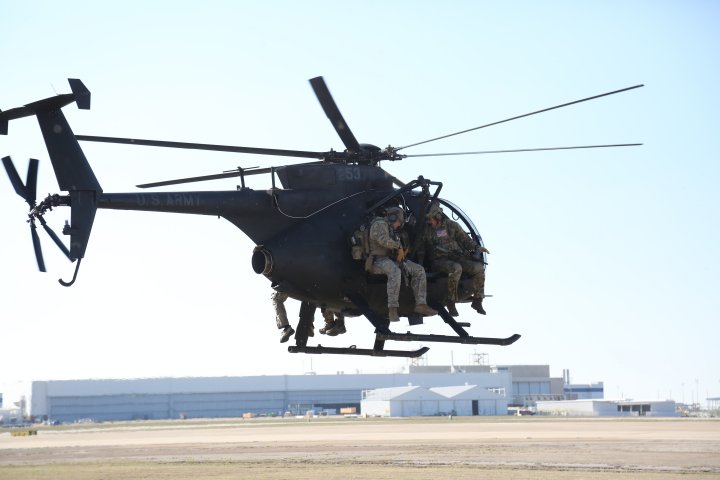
{"x": 452, "y": 251}
{"x": 334, "y": 323}
{"x": 281, "y": 320}
{"x": 382, "y": 243}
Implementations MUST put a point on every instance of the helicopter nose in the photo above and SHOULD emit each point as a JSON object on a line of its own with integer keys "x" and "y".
{"x": 262, "y": 261}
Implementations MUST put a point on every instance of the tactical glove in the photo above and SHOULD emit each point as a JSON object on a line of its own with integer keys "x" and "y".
{"x": 477, "y": 255}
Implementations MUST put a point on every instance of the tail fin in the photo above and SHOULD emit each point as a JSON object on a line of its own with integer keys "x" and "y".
{"x": 72, "y": 169}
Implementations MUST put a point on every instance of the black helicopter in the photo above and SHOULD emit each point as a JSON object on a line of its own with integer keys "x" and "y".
{"x": 303, "y": 231}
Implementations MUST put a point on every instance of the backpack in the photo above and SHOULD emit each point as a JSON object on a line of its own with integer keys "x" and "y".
{"x": 360, "y": 242}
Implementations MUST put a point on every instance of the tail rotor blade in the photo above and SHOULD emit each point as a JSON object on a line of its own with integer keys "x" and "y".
{"x": 31, "y": 182}
{"x": 14, "y": 177}
{"x": 56, "y": 239}
{"x": 37, "y": 247}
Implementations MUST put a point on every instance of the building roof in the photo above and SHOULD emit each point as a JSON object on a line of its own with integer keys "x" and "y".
{"x": 411, "y": 392}
{"x": 465, "y": 392}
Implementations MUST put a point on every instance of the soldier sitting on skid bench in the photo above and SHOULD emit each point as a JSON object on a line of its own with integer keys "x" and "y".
{"x": 334, "y": 323}
{"x": 382, "y": 244}
{"x": 281, "y": 320}
{"x": 452, "y": 251}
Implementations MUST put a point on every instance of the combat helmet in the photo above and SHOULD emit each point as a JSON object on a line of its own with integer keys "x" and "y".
{"x": 394, "y": 214}
{"x": 434, "y": 211}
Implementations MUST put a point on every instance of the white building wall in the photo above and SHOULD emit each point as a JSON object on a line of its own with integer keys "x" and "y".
{"x": 570, "y": 408}
{"x": 607, "y": 408}
{"x": 446, "y": 406}
{"x": 462, "y": 407}
{"x": 376, "y": 408}
{"x": 409, "y": 408}
{"x": 488, "y": 407}
{"x": 417, "y": 401}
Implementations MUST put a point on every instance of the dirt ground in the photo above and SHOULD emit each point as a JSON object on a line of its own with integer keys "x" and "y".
{"x": 497, "y": 448}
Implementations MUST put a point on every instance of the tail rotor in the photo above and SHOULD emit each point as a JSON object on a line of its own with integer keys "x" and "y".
{"x": 28, "y": 192}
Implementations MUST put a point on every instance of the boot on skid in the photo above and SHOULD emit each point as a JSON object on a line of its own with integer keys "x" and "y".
{"x": 424, "y": 310}
{"x": 338, "y": 328}
{"x": 452, "y": 309}
{"x": 477, "y": 305}
{"x": 393, "y": 314}
{"x": 286, "y": 333}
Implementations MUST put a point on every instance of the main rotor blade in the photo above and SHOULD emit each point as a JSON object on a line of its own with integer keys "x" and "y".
{"x": 333, "y": 113}
{"x": 37, "y": 247}
{"x": 204, "y": 146}
{"x": 483, "y": 152}
{"x": 522, "y": 116}
{"x": 235, "y": 173}
{"x": 14, "y": 177}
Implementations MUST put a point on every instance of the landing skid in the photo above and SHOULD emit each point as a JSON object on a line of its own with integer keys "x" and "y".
{"x": 383, "y": 333}
{"x": 411, "y": 337}
{"x": 352, "y": 350}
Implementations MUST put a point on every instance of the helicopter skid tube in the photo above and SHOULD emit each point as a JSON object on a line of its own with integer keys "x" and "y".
{"x": 412, "y": 337}
{"x": 359, "y": 351}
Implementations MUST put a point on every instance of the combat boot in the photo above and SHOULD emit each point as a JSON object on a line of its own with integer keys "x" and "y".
{"x": 328, "y": 326}
{"x": 286, "y": 334}
{"x": 337, "y": 329}
{"x": 424, "y": 310}
{"x": 452, "y": 310}
{"x": 393, "y": 314}
{"x": 477, "y": 305}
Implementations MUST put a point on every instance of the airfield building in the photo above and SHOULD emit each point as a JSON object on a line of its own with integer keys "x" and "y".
{"x": 478, "y": 388}
{"x": 464, "y": 400}
{"x": 167, "y": 398}
{"x": 530, "y": 383}
{"x": 608, "y": 408}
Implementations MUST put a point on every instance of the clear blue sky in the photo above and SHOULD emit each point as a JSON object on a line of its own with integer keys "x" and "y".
{"x": 605, "y": 261}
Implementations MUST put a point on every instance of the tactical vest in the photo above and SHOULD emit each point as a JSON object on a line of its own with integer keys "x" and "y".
{"x": 443, "y": 243}
{"x": 376, "y": 249}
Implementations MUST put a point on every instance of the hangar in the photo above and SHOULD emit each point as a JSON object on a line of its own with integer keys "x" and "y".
{"x": 410, "y": 401}
{"x": 465, "y": 400}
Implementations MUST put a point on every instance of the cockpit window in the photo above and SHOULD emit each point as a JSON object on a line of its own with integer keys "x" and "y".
{"x": 458, "y": 214}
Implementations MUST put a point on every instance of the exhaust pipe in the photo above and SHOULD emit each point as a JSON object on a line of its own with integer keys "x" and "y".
{"x": 262, "y": 260}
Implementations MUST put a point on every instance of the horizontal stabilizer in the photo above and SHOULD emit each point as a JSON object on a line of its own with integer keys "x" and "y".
{"x": 80, "y": 95}
{"x": 12, "y": 114}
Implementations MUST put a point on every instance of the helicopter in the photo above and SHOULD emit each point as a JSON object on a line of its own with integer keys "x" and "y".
{"x": 304, "y": 230}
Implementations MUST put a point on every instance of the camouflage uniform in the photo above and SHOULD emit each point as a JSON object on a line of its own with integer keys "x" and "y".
{"x": 278, "y": 301}
{"x": 448, "y": 245}
{"x": 381, "y": 245}
{"x": 281, "y": 320}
